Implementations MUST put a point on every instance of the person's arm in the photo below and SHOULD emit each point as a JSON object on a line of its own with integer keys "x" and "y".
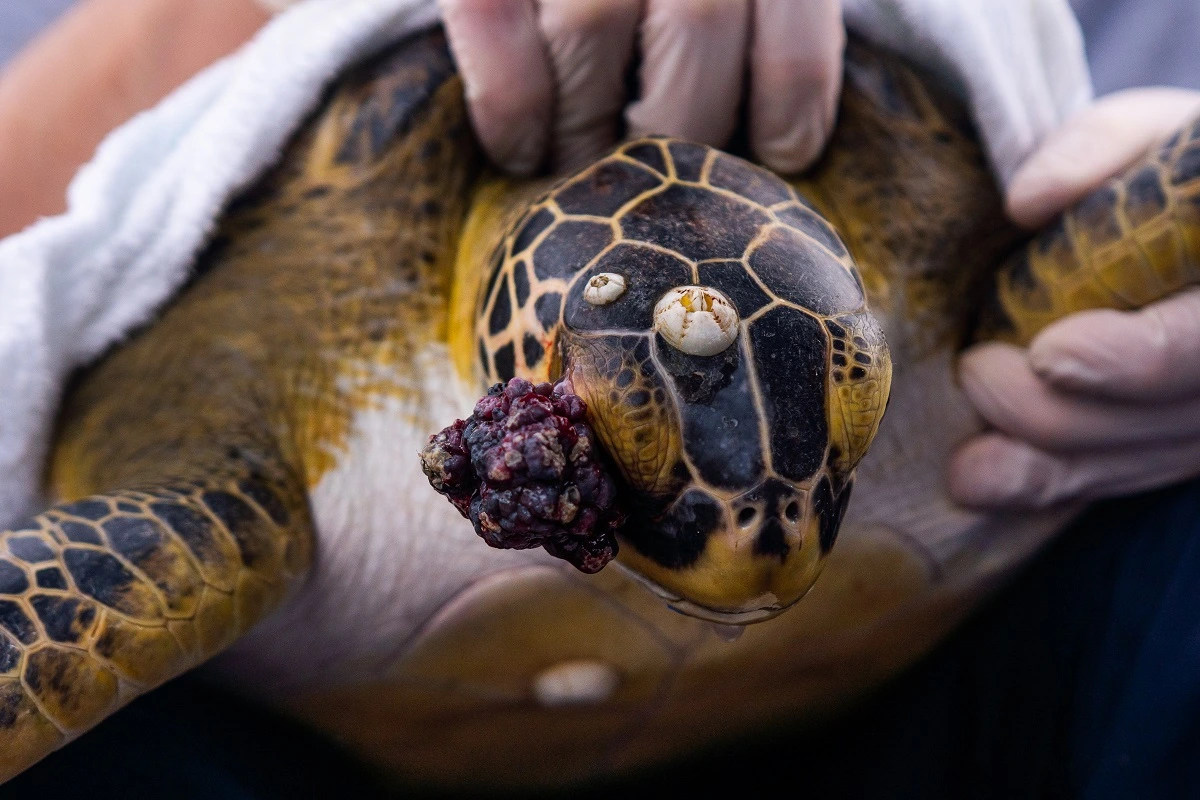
{"x": 104, "y": 61}
{"x": 1102, "y": 403}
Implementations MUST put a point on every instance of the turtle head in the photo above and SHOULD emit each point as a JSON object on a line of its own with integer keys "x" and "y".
{"x": 715, "y": 327}
{"x": 729, "y": 433}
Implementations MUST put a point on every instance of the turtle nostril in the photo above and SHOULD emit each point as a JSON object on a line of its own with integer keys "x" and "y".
{"x": 792, "y": 512}
{"x": 746, "y": 516}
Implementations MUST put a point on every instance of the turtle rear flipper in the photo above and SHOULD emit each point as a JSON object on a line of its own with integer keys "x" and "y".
{"x": 107, "y": 597}
{"x": 1132, "y": 241}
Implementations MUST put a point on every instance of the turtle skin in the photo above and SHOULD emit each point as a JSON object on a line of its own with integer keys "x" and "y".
{"x": 216, "y": 472}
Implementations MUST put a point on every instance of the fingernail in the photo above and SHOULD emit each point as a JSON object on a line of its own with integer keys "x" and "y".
{"x": 525, "y": 156}
{"x": 1066, "y": 372}
{"x": 986, "y": 373}
{"x": 1082, "y": 352}
{"x": 1050, "y": 178}
{"x": 977, "y": 485}
{"x": 791, "y": 143}
{"x": 794, "y": 152}
{"x": 576, "y": 150}
{"x": 992, "y": 471}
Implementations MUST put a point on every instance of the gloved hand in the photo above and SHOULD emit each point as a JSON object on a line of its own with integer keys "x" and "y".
{"x": 1102, "y": 403}
{"x": 549, "y": 75}
{"x": 1019, "y": 64}
{"x": 546, "y": 83}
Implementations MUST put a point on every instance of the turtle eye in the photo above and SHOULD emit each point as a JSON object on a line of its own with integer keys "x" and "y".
{"x": 697, "y": 320}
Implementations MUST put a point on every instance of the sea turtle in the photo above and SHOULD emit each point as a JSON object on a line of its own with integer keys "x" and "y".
{"x": 248, "y": 460}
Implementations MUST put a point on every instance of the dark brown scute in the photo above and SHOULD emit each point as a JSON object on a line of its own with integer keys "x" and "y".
{"x": 569, "y": 247}
{"x": 796, "y": 270}
{"x": 529, "y": 231}
{"x": 684, "y": 219}
{"x": 650, "y": 155}
{"x": 720, "y": 423}
{"x": 501, "y": 313}
{"x": 648, "y": 275}
{"x": 1187, "y": 168}
{"x": 531, "y": 349}
{"x": 792, "y": 383}
{"x": 811, "y": 224}
{"x": 732, "y": 280}
{"x": 506, "y": 362}
{"x": 520, "y": 279}
{"x": 677, "y": 538}
{"x": 30, "y": 549}
{"x": 81, "y": 532}
{"x": 753, "y": 183}
{"x": 12, "y": 578}
{"x": 102, "y": 577}
{"x": 14, "y": 620}
{"x": 603, "y": 189}
{"x": 195, "y": 529}
{"x": 65, "y": 619}
{"x": 87, "y": 509}
{"x": 548, "y": 307}
{"x": 51, "y": 578}
{"x": 688, "y": 159}
{"x": 135, "y": 538}
{"x": 248, "y": 528}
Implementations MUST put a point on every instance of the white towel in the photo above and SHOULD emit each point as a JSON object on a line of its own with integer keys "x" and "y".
{"x": 73, "y": 285}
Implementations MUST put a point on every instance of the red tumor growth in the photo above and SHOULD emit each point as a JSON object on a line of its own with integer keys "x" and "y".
{"x": 526, "y": 470}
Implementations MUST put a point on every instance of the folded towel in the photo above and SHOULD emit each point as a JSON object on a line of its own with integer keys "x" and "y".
{"x": 71, "y": 286}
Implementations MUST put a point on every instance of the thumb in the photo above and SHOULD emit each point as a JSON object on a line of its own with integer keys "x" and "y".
{"x": 1153, "y": 353}
{"x": 1092, "y": 146}
{"x": 506, "y": 76}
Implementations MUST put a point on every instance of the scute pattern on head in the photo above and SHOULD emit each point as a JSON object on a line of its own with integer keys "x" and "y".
{"x": 641, "y": 204}
{"x": 663, "y": 214}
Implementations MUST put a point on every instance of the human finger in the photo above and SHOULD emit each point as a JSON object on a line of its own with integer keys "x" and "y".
{"x": 590, "y": 44}
{"x": 795, "y": 80}
{"x": 1150, "y": 355}
{"x": 1092, "y": 146}
{"x": 1004, "y": 389}
{"x": 506, "y": 76}
{"x": 693, "y": 64}
{"x": 994, "y": 471}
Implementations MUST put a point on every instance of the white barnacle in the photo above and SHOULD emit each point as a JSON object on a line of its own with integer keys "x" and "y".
{"x": 604, "y": 288}
{"x": 579, "y": 682}
{"x": 697, "y": 320}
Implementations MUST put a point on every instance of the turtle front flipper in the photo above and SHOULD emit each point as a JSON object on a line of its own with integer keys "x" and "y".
{"x": 107, "y": 597}
{"x": 1131, "y": 242}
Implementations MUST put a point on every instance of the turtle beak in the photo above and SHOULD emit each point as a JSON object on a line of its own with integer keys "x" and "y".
{"x": 736, "y": 560}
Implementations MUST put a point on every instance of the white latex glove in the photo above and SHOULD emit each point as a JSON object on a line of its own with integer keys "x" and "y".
{"x": 1019, "y": 63}
{"x": 549, "y": 75}
{"x": 1103, "y": 403}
